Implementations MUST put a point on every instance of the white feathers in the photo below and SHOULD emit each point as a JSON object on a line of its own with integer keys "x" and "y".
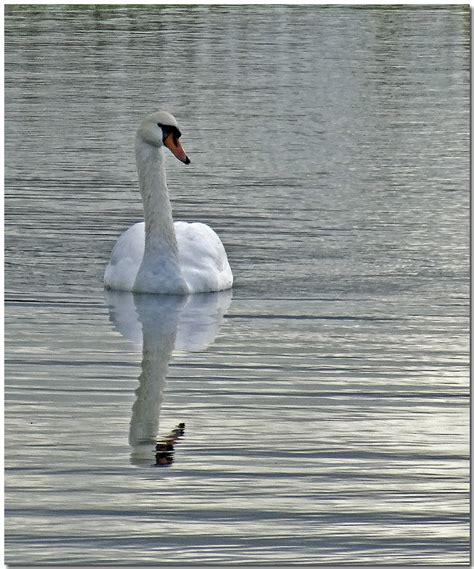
{"x": 201, "y": 258}
{"x": 159, "y": 256}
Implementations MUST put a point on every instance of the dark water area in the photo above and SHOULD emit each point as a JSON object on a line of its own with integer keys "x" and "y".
{"x": 326, "y": 397}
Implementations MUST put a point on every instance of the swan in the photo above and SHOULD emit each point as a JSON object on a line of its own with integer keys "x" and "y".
{"x": 159, "y": 256}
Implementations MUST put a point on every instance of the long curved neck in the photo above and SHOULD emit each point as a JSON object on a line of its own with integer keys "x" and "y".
{"x": 160, "y": 271}
{"x": 160, "y": 237}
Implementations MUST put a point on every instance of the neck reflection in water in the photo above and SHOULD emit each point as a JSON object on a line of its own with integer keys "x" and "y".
{"x": 162, "y": 324}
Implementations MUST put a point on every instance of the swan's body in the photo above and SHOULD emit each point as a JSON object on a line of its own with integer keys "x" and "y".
{"x": 157, "y": 255}
{"x": 202, "y": 262}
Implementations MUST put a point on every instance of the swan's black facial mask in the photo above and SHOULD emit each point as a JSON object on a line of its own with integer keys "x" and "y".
{"x": 168, "y": 129}
{"x": 171, "y": 135}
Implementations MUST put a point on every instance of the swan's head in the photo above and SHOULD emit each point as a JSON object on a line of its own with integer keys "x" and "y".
{"x": 161, "y": 128}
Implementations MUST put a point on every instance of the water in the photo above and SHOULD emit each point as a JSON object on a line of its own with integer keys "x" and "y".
{"x": 326, "y": 398}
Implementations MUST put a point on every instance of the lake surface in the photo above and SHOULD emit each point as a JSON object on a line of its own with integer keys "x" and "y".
{"x": 326, "y": 397}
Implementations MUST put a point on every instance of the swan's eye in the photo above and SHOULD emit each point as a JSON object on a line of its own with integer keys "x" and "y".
{"x": 176, "y": 133}
{"x": 168, "y": 129}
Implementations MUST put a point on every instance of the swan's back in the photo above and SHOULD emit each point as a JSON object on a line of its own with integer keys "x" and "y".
{"x": 202, "y": 258}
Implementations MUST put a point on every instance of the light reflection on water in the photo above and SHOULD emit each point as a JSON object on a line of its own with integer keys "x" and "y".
{"x": 326, "y": 404}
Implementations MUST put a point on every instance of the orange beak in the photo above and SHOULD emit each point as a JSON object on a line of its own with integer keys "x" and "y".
{"x": 175, "y": 146}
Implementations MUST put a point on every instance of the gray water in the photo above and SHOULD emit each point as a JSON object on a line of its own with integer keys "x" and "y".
{"x": 326, "y": 397}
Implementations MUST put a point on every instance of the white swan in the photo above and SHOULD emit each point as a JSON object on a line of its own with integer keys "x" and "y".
{"x": 159, "y": 256}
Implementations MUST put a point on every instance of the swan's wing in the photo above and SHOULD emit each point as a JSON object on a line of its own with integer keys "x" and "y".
{"x": 202, "y": 258}
{"x": 126, "y": 258}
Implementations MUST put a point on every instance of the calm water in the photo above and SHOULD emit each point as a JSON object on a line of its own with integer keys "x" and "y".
{"x": 326, "y": 397}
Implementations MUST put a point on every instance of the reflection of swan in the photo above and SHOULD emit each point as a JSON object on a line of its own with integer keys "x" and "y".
{"x": 161, "y": 324}
{"x": 158, "y": 256}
